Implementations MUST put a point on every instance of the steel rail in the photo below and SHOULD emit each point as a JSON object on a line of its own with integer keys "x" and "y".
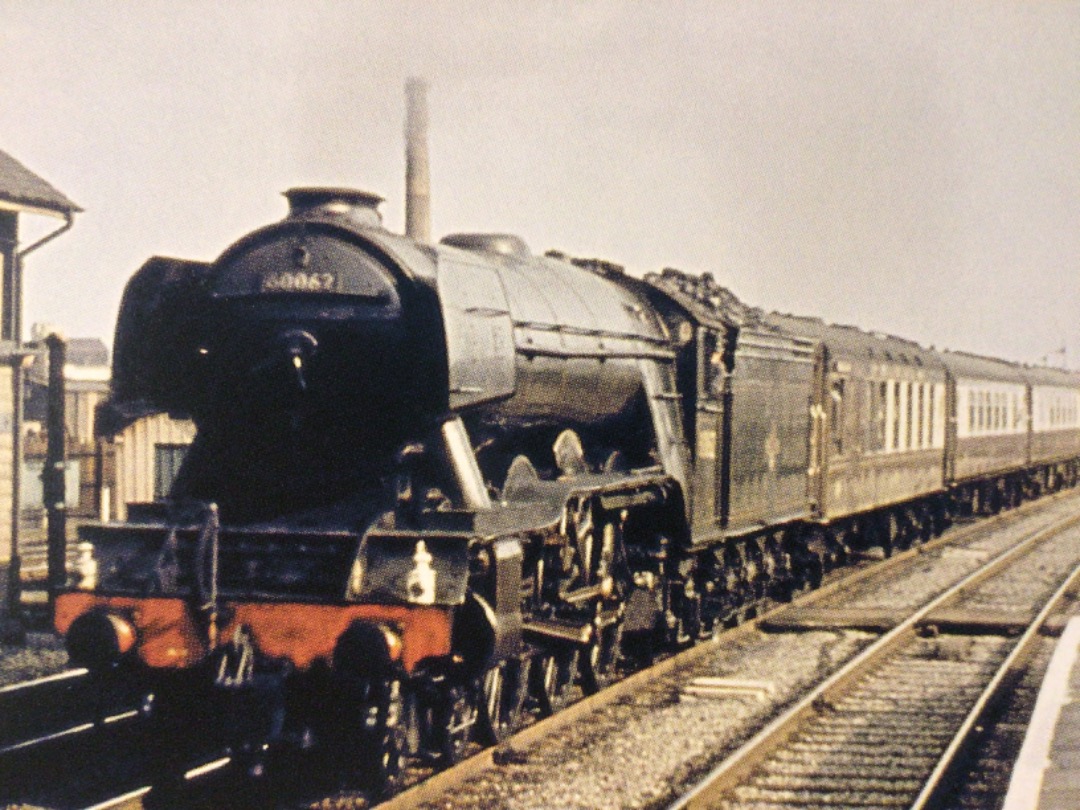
{"x": 736, "y": 768}
{"x": 133, "y": 799}
{"x": 29, "y": 715}
{"x": 70, "y": 731}
{"x": 45, "y": 680}
{"x": 1022, "y": 650}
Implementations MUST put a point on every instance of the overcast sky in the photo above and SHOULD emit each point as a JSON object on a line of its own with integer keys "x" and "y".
{"x": 912, "y": 167}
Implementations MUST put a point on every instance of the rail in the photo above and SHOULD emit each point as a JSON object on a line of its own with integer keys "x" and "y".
{"x": 736, "y": 769}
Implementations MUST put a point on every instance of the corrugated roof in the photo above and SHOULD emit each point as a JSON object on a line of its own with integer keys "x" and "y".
{"x": 22, "y": 187}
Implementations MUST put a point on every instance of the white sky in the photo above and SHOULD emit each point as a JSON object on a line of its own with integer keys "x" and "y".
{"x": 912, "y": 167}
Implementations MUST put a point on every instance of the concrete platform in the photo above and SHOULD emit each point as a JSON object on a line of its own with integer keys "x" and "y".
{"x": 1047, "y": 772}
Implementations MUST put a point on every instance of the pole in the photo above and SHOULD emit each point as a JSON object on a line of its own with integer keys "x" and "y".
{"x": 9, "y": 256}
{"x": 55, "y": 486}
{"x": 14, "y": 592}
{"x": 417, "y": 171}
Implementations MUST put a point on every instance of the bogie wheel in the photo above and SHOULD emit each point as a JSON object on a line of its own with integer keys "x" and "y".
{"x": 600, "y": 658}
{"x": 383, "y": 746}
{"x": 457, "y": 722}
{"x": 551, "y": 676}
{"x": 503, "y": 691}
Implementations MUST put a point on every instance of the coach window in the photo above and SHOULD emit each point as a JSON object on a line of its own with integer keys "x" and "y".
{"x": 920, "y": 436}
{"x": 836, "y": 416}
{"x": 909, "y": 409}
{"x": 930, "y": 415}
{"x": 875, "y": 423}
{"x": 896, "y": 416}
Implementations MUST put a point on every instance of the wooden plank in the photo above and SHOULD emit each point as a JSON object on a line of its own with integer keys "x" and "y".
{"x": 797, "y": 619}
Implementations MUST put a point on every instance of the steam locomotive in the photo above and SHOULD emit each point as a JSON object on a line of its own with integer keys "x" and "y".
{"x": 434, "y": 486}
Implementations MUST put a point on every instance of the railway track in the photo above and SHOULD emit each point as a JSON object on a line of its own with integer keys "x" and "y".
{"x": 670, "y": 682}
{"x": 41, "y": 708}
{"x": 892, "y": 726}
{"x": 640, "y": 742}
{"x": 56, "y": 731}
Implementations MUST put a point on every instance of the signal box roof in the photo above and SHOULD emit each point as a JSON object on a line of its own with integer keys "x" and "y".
{"x": 21, "y": 189}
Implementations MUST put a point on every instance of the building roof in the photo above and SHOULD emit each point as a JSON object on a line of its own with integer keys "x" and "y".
{"x": 22, "y": 188}
{"x": 87, "y": 352}
{"x": 86, "y": 362}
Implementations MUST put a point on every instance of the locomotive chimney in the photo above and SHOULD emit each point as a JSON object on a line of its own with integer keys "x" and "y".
{"x": 417, "y": 173}
{"x": 360, "y": 207}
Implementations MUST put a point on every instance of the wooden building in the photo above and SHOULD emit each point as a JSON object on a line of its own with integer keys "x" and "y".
{"x": 86, "y": 386}
{"x": 139, "y": 460}
{"x": 22, "y": 193}
{"x": 113, "y": 459}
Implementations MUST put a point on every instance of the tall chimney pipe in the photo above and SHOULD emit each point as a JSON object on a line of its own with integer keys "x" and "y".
{"x": 417, "y": 173}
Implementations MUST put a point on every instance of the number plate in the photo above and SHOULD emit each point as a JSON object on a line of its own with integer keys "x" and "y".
{"x": 298, "y": 281}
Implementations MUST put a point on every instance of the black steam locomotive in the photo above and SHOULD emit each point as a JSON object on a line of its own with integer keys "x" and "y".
{"x": 432, "y": 486}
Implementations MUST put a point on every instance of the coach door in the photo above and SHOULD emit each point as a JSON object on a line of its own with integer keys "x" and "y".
{"x": 820, "y": 432}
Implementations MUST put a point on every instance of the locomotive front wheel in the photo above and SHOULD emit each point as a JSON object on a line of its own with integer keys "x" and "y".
{"x": 457, "y": 723}
{"x": 503, "y": 691}
{"x": 381, "y": 755}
